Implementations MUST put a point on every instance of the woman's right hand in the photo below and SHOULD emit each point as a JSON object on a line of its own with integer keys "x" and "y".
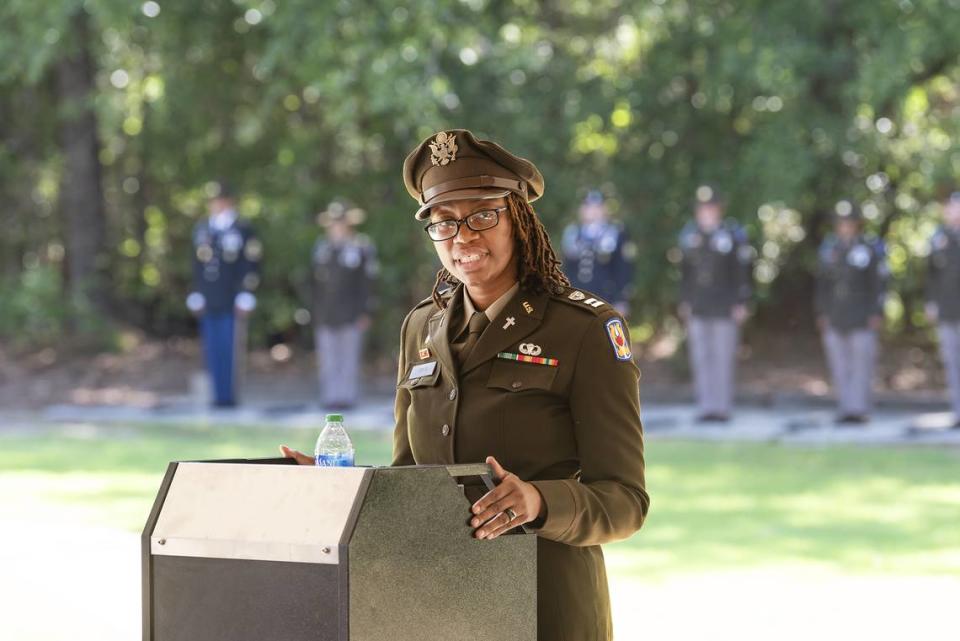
{"x": 298, "y": 456}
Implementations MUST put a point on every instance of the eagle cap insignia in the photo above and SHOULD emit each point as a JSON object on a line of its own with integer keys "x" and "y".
{"x": 443, "y": 150}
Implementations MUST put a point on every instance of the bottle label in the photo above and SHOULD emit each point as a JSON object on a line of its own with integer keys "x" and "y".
{"x": 335, "y": 460}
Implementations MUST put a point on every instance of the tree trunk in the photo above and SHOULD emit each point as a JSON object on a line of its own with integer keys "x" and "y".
{"x": 81, "y": 192}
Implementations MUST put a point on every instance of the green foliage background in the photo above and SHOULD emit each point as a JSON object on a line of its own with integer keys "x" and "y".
{"x": 787, "y": 106}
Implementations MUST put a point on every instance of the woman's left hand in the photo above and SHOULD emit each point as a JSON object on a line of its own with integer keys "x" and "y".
{"x": 511, "y": 498}
{"x": 297, "y": 455}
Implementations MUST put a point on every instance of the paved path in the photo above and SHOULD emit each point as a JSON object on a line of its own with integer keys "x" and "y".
{"x": 63, "y": 581}
{"x": 83, "y": 584}
{"x": 795, "y": 424}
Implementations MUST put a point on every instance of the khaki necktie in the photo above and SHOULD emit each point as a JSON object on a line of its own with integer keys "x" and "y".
{"x": 465, "y": 343}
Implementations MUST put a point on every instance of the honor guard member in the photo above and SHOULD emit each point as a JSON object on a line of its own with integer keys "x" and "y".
{"x": 598, "y": 257}
{"x": 850, "y": 292}
{"x": 226, "y": 272}
{"x": 943, "y": 295}
{"x": 344, "y": 272}
{"x": 507, "y": 363}
{"x": 715, "y": 288}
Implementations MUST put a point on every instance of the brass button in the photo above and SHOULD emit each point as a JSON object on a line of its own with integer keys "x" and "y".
{"x": 516, "y": 385}
{"x": 445, "y": 430}
{"x": 453, "y": 393}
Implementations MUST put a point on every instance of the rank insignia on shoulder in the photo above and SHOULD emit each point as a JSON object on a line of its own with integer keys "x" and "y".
{"x": 618, "y": 338}
{"x": 523, "y": 358}
{"x": 577, "y": 295}
{"x": 593, "y": 302}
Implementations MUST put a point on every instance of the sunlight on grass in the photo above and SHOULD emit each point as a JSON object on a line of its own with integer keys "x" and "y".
{"x": 729, "y": 506}
{"x": 716, "y": 506}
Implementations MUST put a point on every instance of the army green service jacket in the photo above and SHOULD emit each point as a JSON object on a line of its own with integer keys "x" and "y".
{"x": 851, "y": 282}
{"x": 551, "y": 391}
{"x": 716, "y": 271}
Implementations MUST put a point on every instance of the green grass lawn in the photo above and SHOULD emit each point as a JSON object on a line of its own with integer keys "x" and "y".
{"x": 715, "y": 506}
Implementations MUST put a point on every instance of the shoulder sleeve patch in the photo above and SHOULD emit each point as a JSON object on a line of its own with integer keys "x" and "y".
{"x": 618, "y": 338}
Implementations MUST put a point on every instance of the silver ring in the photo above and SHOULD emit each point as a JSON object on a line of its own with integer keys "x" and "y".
{"x": 510, "y": 514}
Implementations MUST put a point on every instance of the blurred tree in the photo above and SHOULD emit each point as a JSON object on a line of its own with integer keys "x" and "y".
{"x": 787, "y": 107}
{"x": 81, "y": 194}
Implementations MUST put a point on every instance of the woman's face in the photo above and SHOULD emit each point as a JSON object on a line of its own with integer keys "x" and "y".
{"x": 708, "y": 215}
{"x": 481, "y": 260}
{"x": 847, "y": 229}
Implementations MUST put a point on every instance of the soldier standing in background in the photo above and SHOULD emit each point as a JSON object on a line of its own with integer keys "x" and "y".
{"x": 943, "y": 295}
{"x": 226, "y": 271}
{"x": 851, "y": 286}
{"x": 344, "y": 270}
{"x": 715, "y": 287}
{"x": 598, "y": 256}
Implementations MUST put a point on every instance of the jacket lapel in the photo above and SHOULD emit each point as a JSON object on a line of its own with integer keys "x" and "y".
{"x": 438, "y": 332}
{"x": 526, "y": 310}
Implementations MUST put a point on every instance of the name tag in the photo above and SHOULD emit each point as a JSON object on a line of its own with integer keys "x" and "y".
{"x": 423, "y": 369}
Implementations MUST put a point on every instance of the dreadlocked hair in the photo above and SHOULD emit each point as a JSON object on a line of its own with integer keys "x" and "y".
{"x": 538, "y": 268}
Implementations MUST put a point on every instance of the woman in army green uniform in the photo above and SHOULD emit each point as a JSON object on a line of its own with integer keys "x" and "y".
{"x": 506, "y": 363}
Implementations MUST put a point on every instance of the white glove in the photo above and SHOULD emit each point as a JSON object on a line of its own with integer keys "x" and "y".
{"x": 196, "y": 302}
{"x": 245, "y": 302}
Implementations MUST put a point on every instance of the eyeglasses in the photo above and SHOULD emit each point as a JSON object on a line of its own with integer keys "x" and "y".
{"x": 477, "y": 221}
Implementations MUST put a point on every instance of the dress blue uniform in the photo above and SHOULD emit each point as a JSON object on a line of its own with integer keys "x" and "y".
{"x": 598, "y": 257}
{"x": 226, "y": 271}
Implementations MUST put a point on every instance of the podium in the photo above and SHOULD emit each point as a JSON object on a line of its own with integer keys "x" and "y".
{"x": 267, "y": 550}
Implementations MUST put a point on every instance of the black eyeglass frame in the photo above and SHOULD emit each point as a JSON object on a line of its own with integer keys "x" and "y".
{"x": 464, "y": 221}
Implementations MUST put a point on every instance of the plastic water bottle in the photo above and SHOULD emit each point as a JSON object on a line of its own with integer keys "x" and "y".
{"x": 334, "y": 448}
